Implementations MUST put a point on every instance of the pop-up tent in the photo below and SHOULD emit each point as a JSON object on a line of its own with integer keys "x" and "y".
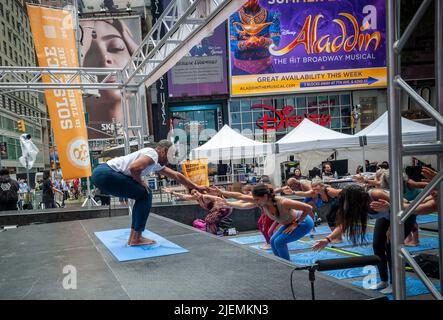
{"x": 377, "y": 136}
{"x": 228, "y": 144}
{"x": 309, "y": 136}
{"x": 412, "y": 132}
{"x": 311, "y": 144}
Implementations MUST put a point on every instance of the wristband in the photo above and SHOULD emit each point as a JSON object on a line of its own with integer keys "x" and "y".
{"x": 327, "y": 238}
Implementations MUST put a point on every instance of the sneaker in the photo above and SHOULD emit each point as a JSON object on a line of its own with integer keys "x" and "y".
{"x": 387, "y": 290}
{"x": 380, "y": 285}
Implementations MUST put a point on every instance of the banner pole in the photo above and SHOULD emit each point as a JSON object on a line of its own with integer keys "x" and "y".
{"x": 89, "y": 201}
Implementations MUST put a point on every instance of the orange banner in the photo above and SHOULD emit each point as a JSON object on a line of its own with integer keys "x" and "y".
{"x": 54, "y": 38}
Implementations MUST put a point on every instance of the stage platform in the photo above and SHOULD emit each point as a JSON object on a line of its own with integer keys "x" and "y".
{"x": 32, "y": 259}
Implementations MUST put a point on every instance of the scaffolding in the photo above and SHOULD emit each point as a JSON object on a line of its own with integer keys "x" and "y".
{"x": 395, "y": 44}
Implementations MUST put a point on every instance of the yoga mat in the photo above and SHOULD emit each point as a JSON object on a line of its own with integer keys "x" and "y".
{"x": 363, "y": 250}
{"x": 309, "y": 257}
{"x": 427, "y": 218}
{"x": 347, "y": 243}
{"x": 322, "y": 230}
{"x": 296, "y": 245}
{"x": 425, "y": 244}
{"x": 350, "y": 273}
{"x": 414, "y": 287}
{"x": 116, "y": 242}
{"x": 249, "y": 239}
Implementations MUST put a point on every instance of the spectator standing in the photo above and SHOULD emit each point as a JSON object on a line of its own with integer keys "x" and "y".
{"x": 8, "y": 191}
{"x": 48, "y": 190}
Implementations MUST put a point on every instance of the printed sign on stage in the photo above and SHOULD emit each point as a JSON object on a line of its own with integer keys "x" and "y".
{"x": 53, "y": 34}
{"x": 196, "y": 171}
{"x": 303, "y": 46}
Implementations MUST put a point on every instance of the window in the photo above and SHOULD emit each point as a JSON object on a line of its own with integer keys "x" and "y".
{"x": 331, "y": 111}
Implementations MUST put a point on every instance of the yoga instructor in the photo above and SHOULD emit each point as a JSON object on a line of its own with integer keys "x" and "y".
{"x": 123, "y": 177}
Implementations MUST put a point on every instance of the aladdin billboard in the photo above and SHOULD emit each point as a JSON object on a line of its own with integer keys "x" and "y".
{"x": 287, "y": 46}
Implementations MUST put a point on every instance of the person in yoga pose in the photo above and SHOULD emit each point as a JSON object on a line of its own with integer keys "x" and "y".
{"x": 123, "y": 177}
{"x": 356, "y": 206}
{"x": 214, "y": 205}
{"x": 295, "y": 217}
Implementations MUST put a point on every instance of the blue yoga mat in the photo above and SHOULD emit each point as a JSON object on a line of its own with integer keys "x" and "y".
{"x": 296, "y": 245}
{"x": 347, "y": 243}
{"x": 350, "y": 273}
{"x": 427, "y": 243}
{"x": 363, "y": 250}
{"x": 322, "y": 230}
{"x": 428, "y": 218}
{"x": 116, "y": 241}
{"x": 414, "y": 286}
{"x": 258, "y": 238}
{"x": 309, "y": 257}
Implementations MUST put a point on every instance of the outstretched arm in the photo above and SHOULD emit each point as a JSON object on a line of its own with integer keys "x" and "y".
{"x": 181, "y": 196}
{"x": 181, "y": 179}
{"x": 306, "y": 194}
{"x": 231, "y": 194}
{"x": 336, "y": 234}
{"x": 240, "y": 205}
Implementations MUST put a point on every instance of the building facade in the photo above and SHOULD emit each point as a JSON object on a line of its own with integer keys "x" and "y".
{"x": 17, "y": 49}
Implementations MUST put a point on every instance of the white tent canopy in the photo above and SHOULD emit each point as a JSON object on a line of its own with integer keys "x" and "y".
{"x": 228, "y": 144}
{"x": 309, "y": 136}
{"x": 412, "y": 132}
{"x": 311, "y": 144}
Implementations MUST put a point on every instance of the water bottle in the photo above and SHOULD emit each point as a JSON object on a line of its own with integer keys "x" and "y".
{"x": 335, "y": 175}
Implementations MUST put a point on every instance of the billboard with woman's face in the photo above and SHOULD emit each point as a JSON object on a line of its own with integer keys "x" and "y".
{"x": 107, "y": 43}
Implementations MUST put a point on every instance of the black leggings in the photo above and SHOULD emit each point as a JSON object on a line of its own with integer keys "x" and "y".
{"x": 382, "y": 247}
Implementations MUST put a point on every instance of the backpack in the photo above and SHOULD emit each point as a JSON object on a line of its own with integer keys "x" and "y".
{"x": 429, "y": 264}
{"x": 199, "y": 224}
{"x": 8, "y": 190}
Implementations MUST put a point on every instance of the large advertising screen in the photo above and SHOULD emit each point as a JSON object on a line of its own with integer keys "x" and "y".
{"x": 203, "y": 71}
{"x": 107, "y": 43}
{"x": 280, "y": 46}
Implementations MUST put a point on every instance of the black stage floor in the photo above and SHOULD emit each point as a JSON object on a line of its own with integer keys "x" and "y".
{"x": 32, "y": 259}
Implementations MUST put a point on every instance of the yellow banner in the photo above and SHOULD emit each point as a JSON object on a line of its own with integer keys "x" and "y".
{"x": 196, "y": 171}
{"x": 54, "y": 38}
{"x": 309, "y": 81}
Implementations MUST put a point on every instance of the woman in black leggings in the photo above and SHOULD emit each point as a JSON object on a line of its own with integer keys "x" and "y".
{"x": 356, "y": 205}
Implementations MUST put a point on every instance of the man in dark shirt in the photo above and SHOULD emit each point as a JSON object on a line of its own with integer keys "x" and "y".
{"x": 48, "y": 190}
{"x": 8, "y": 191}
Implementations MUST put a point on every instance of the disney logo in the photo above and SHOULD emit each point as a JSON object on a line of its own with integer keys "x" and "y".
{"x": 284, "y": 119}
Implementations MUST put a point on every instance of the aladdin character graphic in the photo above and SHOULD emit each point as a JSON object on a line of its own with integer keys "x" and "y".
{"x": 253, "y": 29}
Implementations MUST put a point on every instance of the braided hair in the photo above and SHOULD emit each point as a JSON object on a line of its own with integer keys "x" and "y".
{"x": 262, "y": 189}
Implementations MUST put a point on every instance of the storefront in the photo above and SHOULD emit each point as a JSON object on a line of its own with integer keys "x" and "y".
{"x": 193, "y": 119}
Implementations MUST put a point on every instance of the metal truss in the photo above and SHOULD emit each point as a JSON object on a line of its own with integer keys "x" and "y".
{"x": 35, "y": 78}
{"x": 395, "y": 44}
{"x": 183, "y": 24}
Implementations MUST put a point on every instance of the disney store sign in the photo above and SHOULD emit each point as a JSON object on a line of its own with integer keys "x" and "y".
{"x": 278, "y": 119}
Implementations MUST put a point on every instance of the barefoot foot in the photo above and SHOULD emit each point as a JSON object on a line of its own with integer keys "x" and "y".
{"x": 142, "y": 242}
{"x": 265, "y": 246}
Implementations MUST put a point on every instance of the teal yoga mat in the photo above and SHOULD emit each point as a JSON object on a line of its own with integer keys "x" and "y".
{"x": 116, "y": 242}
